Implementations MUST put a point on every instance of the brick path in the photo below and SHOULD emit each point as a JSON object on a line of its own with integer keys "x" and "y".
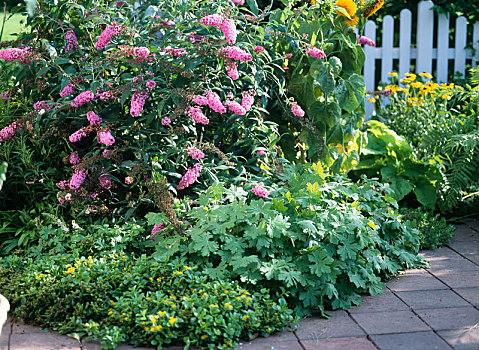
{"x": 432, "y": 309}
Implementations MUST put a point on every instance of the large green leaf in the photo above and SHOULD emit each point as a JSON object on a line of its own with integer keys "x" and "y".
{"x": 426, "y": 193}
{"x": 326, "y": 113}
{"x": 322, "y": 75}
{"x": 400, "y": 185}
{"x": 350, "y": 93}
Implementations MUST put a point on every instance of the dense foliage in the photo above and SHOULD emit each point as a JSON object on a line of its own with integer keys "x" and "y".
{"x": 118, "y": 298}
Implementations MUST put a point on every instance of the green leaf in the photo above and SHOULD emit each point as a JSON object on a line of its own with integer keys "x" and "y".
{"x": 321, "y": 74}
{"x": 327, "y": 114}
{"x": 426, "y": 193}
{"x": 350, "y": 93}
{"x": 400, "y": 185}
{"x": 335, "y": 66}
{"x": 253, "y": 6}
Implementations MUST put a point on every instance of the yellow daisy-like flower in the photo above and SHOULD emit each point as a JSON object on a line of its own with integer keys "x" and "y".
{"x": 371, "y": 99}
{"x": 348, "y": 5}
{"x": 172, "y": 320}
{"x": 373, "y": 8}
{"x": 417, "y": 85}
{"x": 426, "y": 75}
{"x": 352, "y": 22}
{"x": 71, "y": 270}
{"x": 393, "y": 74}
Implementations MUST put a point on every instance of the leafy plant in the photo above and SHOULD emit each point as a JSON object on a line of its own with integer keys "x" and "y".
{"x": 433, "y": 229}
{"x": 115, "y": 298}
{"x": 3, "y": 173}
{"x": 322, "y": 238}
{"x": 387, "y": 154}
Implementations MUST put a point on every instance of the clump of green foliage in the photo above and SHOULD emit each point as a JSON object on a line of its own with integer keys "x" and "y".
{"x": 322, "y": 238}
{"x": 434, "y": 231}
{"x": 116, "y": 298}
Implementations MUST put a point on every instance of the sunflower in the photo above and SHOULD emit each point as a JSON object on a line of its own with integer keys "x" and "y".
{"x": 373, "y": 8}
{"x": 313, "y": 2}
{"x": 352, "y": 22}
{"x": 348, "y": 5}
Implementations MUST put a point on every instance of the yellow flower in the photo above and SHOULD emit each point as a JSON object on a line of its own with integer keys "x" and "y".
{"x": 245, "y": 317}
{"x": 426, "y": 75}
{"x": 158, "y": 328}
{"x": 313, "y": 2}
{"x": 162, "y": 313}
{"x": 348, "y": 5}
{"x": 186, "y": 267}
{"x": 214, "y": 305}
{"x": 71, "y": 270}
{"x": 417, "y": 85}
{"x": 371, "y": 99}
{"x": 393, "y": 74}
{"x": 229, "y": 306}
{"x": 178, "y": 273}
{"x": 203, "y": 337}
{"x": 352, "y": 22}
{"x": 172, "y": 320}
{"x": 373, "y": 8}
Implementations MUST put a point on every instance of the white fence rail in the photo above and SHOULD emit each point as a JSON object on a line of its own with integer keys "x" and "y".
{"x": 423, "y": 53}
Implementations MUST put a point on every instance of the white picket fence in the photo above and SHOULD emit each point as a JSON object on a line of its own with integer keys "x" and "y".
{"x": 424, "y": 53}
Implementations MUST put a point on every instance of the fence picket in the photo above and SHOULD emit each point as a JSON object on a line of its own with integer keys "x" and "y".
{"x": 387, "y": 49}
{"x": 442, "y": 47}
{"x": 370, "y": 64}
{"x": 460, "y": 47}
{"x": 405, "y": 42}
{"x": 475, "y": 44}
{"x": 425, "y": 30}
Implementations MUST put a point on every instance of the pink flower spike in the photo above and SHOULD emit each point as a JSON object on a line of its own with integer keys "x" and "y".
{"x": 74, "y": 158}
{"x": 77, "y": 135}
{"x": 247, "y": 100}
{"x": 258, "y": 49}
{"x": 105, "y": 181}
{"x": 93, "y": 118}
{"x": 67, "y": 90}
{"x": 83, "y": 98}
{"x": 260, "y": 191}
{"x": 363, "y": 40}
{"x": 197, "y": 115}
{"x": 260, "y": 152}
{"x": 214, "y": 20}
{"x": 235, "y": 107}
{"x": 156, "y": 229}
{"x": 105, "y": 137}
{"x": 238, "y": 2}
{"x": 215, "y": 104}
{"x": 297, "y": 110}
{"x": 165, "y": 121}
{"x": 195, "y": 153}
{"x": 228, "y": 27}
{"x": 190, "y": 177}
{"x": 72, "y": 42}
{"x": 232, "y": 70}
{"x": 78, "y": 178}
{"x": 137, "y": 103}
{"x": 200, "y": 100}
{"x": 315, "y": 52}
{"x": 106, "y": 36}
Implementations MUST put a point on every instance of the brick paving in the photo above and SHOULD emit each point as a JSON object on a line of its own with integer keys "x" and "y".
{"x": 423, "y": 309}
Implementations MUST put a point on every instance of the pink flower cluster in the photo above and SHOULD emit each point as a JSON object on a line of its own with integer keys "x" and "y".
{"x": 166, "y": 21}
{"x": 235, "y": 107}
{"x": 72, "y": 42}
{"x": 39, "y": 105}
{"x": 226, "y": 25}
{"x": 197, "y": 115}
{"x": 74, "y": 158}
{"x": 195, "y": 153}
{"x": 93, "y": 118}
{"x": 174, "y": 52}
{"x": 105, "y": 137}
{"x": 23, "y": 55}
{"x": 77, "y": 135}
{"x": 150, "y": 84}
{"x": 9, "y": 131}
{"x": 165, "y": 121}
{"x": 248, "y": 100}
{"x": 78, "y": 178}
{"x": 238, "y": 2}
{"x": 190, "y": 177}
{"x": 214, "y": 103}
{"x": 137, "y": 103}
{"x": 157, "y": 228}
{"x": 235, "y": 53}
{"x": 363, "y": 40}
{"x": 297, "y": 110}
{"x": 200, "y": 100}
{"x": 106, "y": 36}
{"x": 260, "y": 191}
{"x": 105, "y": 181}
{"x": 315, "y": 52}
{"x": 258, "y": 49}
{"x": 232, "y": 70}
{"x": 214, "y": 20}
{"x": 83, "y": 98}
{"x": 67, "y": 90}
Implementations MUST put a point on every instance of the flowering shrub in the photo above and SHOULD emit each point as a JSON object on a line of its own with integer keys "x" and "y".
{"x": 149, "y": 87}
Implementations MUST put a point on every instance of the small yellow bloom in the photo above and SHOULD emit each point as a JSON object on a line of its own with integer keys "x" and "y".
{"x": 172, "y": 320}
{"x": 426, "y": 75}
{"x": 393, "y": 74}
{"x": 158, "y": 328}
{"x": 371, "y": 99}
{"x": 245, "y": 317}
{"x": 178, "y": 273}
{"x": 229, "y": 306}
{"x": 71, "y": 270}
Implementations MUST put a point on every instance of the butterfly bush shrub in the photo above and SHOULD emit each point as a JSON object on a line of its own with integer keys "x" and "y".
{"x": 149, "y": 102}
